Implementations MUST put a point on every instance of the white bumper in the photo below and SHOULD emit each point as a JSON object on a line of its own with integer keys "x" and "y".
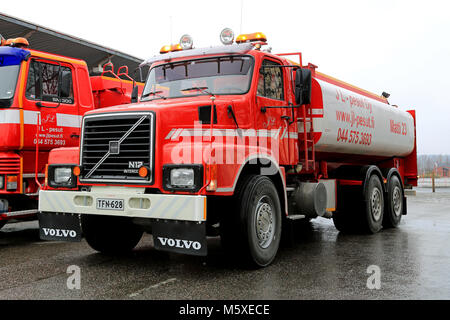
{"x": 136, "y": 203}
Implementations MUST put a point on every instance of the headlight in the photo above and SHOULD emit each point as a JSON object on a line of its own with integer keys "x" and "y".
{"x": 2, "y": 182}
{"x": 61, "y": 176}
{"x": 183, "y": 177}
{"x": 11, "y": 183}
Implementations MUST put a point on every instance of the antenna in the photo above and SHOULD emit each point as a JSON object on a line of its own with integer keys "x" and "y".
{"x": 242, "y": 5}
{"x": 170, "y": 18}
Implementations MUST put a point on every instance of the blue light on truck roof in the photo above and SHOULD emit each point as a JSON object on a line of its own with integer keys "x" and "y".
{"x": 12, "y": 56}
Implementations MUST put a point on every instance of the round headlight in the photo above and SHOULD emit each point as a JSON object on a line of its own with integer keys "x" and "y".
{"x": 227, "y": 36}
{"x": 186, "y": 42}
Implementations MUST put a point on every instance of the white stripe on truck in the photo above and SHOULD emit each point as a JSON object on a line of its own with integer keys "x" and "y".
{"x": 30, "y": 117}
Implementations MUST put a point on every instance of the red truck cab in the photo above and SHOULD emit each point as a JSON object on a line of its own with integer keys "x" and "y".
{"x": 232, "y": 141}
{"x": 46, "y": 95}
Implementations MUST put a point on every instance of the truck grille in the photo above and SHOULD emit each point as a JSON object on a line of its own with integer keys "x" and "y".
{"x": 10, "y": 165}
{"x": 115, "y": 146}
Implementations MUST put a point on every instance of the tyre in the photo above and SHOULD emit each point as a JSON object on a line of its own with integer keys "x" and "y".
{"x": 255, "y": 231}
{"x": 371, "y": 219}
{"x": 344, "y": 218}
{"x": 394, "y": 203}
{"x": 110, "y": 235}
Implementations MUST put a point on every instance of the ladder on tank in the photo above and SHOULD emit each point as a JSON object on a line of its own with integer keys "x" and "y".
{"x": 306, "y": 139}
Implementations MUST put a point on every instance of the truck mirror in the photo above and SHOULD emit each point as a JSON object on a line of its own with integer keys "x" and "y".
{"x": 302, "y": 86}
{"x": 134, "y": 94}
{"x": 66, "y": 83}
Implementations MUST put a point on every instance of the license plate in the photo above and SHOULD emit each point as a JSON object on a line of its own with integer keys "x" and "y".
{"x": 110, "y": 204}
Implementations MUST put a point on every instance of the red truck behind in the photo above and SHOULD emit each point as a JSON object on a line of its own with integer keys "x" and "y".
{"x": 45, "y": 93}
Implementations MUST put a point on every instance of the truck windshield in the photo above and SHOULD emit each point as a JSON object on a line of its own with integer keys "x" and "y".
{"x": 219, "y": 75}
{"x": 8, "y": 80}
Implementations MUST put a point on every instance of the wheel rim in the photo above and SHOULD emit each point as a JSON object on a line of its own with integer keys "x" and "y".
{"x": 264, "y": 222}
{"x": 397, "y": 201}
{"x": 376, "y": 204}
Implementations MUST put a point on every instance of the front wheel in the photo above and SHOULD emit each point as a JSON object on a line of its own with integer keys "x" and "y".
{"x": 110, "y": 235}
{"x": 259, "y": 220}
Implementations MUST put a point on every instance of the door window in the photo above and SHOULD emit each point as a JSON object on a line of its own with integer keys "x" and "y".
{"x": 49, "y": 82}
{"x": 270, "y": 83}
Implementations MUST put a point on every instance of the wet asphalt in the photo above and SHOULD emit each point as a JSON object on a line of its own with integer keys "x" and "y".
{"x": 413, "y": 260}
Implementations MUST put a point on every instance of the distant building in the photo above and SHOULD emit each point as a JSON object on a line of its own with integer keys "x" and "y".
{"x": 443, "y": 171}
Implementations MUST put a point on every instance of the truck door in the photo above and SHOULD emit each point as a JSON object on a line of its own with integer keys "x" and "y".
{"x": 50, "y": 92}
{"x": 273, "y": 121}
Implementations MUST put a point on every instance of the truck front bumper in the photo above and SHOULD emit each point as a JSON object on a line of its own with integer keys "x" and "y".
{"x": 135, "y": 204}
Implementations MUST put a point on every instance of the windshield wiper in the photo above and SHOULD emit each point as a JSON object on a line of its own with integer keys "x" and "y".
{"x": 203, "y": 89}
{"x": 155, "y": 93}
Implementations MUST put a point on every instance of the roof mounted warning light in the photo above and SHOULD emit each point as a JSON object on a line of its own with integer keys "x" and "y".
{"x": 15, "y": 43}
{"x": 252, "y": 37}
{"x": 170, "y": 48}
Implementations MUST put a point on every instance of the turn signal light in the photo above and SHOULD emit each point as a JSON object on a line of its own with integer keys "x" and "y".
{"x": 11, "y": 183}
{"x": 212, "y": 177}
{"x": 249, "y": 37}
{"x": 76, "y": 171}
{"x": 143, "y": 172}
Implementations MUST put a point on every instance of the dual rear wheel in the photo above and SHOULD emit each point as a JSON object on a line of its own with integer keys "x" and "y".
{"x": 369, "y": 212}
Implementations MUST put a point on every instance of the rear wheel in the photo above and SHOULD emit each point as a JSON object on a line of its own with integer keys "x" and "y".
{"x": 394, "y": 203}
{"x": 371, "y": 220}
{"x": 344, "y": 218}
{"x": 110, "y": 235}
{"x": 257, "y": 230}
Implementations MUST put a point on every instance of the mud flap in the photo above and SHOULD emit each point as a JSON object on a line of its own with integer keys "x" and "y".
{"x": 180, "y": 237}
{"x": 61, "y": 227}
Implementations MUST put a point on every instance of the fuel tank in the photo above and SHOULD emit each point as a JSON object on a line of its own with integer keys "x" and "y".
{"x": 352, "y": 122}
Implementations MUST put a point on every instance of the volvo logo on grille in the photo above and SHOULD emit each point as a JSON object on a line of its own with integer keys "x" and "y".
{"x": 114, "y": 147}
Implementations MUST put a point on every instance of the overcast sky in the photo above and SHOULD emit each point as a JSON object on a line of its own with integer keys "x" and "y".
{"x": 398, "y": 46}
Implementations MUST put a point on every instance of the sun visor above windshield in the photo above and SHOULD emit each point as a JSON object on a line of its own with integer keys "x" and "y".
{"x": 230, "y": 49}
{"x": 12, "y": 56}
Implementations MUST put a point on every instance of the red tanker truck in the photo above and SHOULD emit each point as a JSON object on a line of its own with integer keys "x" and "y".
{"x": 234, "y": 141}
{"x": 44, "y": 94}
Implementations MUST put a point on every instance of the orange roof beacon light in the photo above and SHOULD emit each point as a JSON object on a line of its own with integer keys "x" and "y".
{"x": 170, "y": 48}
{"x": 176, "y": 47}
{"x": 186, "y": 42}
{"x": 227, "y": 36}
{"x": 165, "y": 49}
{"x": 251, "y": 37}
{"x": 16, "y": 42}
